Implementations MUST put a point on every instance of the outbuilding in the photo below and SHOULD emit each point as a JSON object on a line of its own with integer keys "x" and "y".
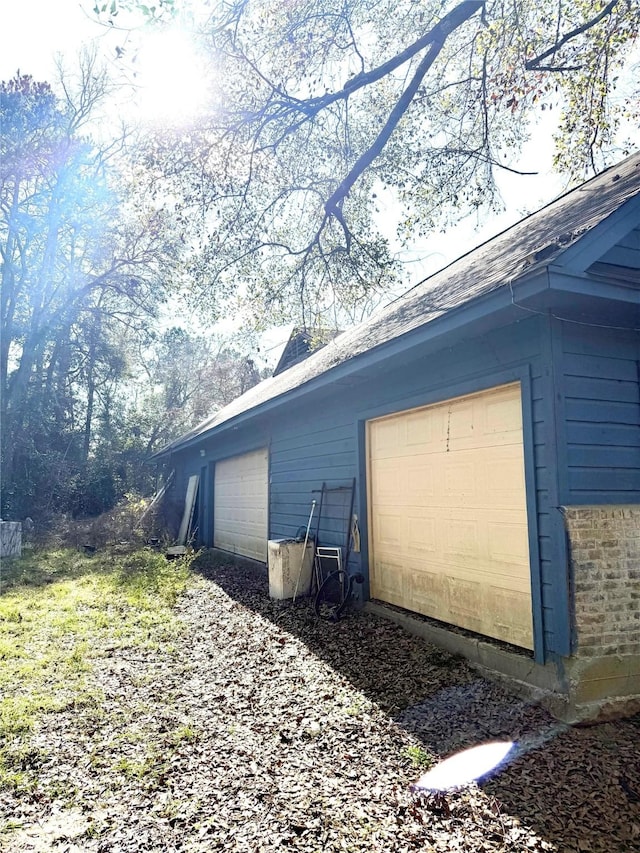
{"x": 490, "y": 418}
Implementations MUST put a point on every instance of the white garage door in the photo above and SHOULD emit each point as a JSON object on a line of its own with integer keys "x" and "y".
{"x": 241, "y": 504}
{"x": 447, "y": 513}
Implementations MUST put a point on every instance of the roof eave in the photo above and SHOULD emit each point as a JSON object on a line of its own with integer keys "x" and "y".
{"x": 536, "y": 292}
{"x": 484, "y": 311}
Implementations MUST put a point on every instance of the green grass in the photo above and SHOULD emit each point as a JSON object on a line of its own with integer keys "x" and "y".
{"x": 184, "y": 734}
{"x": 59, "y": 612}
{"x": 419, "y": 757}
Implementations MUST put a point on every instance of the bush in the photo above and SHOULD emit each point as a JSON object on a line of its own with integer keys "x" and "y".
{"x": 147, "y": 572}
{"x": 120, "y": 526}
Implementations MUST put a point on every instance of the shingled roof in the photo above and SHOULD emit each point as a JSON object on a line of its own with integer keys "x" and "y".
{"x": 535, "y": 242}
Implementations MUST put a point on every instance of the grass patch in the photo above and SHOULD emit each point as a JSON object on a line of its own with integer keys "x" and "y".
{"x": 60, "y": 611}
{"x": 184, "y": 734}
{"x": 419, "y": 757}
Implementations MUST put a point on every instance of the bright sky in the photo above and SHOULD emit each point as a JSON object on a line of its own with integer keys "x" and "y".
{"x": 169, "y": 79}
{"x": 521, "y": 194}
{"x": 172, "y": 83}
{"x": 32, "y": 32}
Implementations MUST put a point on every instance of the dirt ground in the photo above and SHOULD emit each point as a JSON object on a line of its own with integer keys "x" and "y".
{"x": 264, "y": 729}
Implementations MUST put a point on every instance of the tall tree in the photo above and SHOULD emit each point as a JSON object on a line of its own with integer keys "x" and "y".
{"x": 76, "y": 262}
{"x": 188, "y": 377}
{"x": 331, "y": 114}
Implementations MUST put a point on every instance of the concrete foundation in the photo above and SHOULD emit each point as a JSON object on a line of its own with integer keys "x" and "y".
{"x": 10, "y": 539}
{"x": 573, "y": 689}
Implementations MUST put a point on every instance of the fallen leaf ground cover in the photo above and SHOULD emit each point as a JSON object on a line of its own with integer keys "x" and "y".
{"x": 221, "y": 720}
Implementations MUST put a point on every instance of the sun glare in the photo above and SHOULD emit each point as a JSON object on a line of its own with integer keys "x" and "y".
{"x": 171, "y": 78}
{"x": 465, "y": 767}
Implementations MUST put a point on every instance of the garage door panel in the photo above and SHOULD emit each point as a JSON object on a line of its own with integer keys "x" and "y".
{"x": 506, "y": 544}
{"x": 421, "y": 536}
{"x": 510, "y": 611}
{"x": 426, "y": 588}
{"x": 503, "y": 413}
{"x": 420, "y": 481}
{"x": 389, "y": 483}
{"x": 241, "y": 494}
{"x": 466, "y": 569}
{"x": 505, "y": 470}
{"x": 423, "y": 435}
{"x": 386, "y": 439}
{"x": 478, "y": 546}
{"x": 463, "y": 596}
{"x": 472, "y": 604}
{"x": 461, "y": 423}
{"x": 390, "y": 531}
{"x": 464, "y": 542}
{"x": 460, "y": 483}
{"x": 389, "y": 578}
{"x": 452, "y": 496}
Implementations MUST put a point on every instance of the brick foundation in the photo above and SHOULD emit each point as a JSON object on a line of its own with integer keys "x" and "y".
{"x": 604, "y": 546}
{"x": 603, "y": 674}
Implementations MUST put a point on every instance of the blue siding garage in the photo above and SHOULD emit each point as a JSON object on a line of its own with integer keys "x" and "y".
{"x": 602, "y": 413}
{"x": 552, "y": 307}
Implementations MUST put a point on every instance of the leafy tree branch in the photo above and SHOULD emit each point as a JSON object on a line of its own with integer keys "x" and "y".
{"x": 305, "y": 187}
{"x": 535, "y": 64}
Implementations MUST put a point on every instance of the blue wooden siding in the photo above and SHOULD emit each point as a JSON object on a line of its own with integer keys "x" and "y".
{"x": 542, "y": 416}
{"x": 308, "y": 449}
{"x": 602, "y": 408}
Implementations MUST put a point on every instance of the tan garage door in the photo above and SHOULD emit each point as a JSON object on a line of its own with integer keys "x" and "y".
{"x": 241, "y": 501}
{"x": 447, "y": 513}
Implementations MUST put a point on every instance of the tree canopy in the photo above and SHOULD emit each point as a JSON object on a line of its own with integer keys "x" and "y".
{"x": 88, "y": 387}
{"x": 330, "y": 117}
{"x": 336, "y": 132}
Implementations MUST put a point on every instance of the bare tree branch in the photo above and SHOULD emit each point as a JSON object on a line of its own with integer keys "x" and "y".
{"x": 312, "y": 106}
{"x": 535, "y": 63}
{"x": 437, "y": 38}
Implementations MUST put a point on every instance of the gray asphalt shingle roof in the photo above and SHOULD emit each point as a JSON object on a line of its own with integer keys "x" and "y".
{"x": 536, "y": 241}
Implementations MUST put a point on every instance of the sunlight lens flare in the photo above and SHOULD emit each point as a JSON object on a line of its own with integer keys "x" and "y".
{"x": 465, "y": 767}
{"x": 171, "y": 78}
